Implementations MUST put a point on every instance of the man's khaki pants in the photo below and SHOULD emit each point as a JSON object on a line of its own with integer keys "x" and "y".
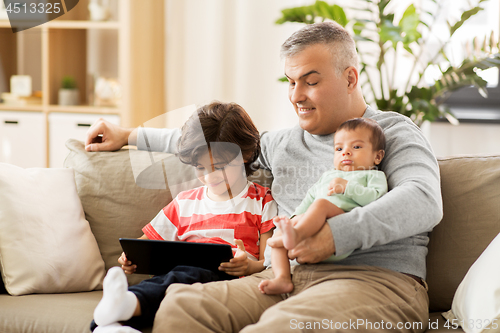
{"x": 326, "y": 297}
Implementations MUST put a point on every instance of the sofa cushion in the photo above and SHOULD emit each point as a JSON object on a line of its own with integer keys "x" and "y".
{"x": 48, "y": 313}
{"x": 471, "y": 193}
{"x": 46, "y": 245}
{"x": 61, "y": 313}
{"x": 122, "y": 191}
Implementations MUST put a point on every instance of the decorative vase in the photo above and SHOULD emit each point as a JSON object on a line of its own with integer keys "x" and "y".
{"x": 68, "y": 96}
{"x": 98, "y": 12}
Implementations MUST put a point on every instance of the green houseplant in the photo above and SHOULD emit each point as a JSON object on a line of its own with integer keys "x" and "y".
{"x": 382, "y": 40}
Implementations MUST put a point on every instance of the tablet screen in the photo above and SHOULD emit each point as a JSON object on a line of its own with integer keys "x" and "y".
{"x": 156, "y": 257}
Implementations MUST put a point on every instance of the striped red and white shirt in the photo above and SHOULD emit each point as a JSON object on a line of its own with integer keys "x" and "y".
{"x": 193, "y": 217}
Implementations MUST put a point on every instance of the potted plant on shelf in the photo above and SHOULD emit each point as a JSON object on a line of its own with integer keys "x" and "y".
{"x": 68, "y": 93}
{"x": 382, "y": 41}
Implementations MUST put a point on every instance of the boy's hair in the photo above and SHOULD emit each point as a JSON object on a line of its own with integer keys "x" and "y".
{"x": 377, "y": 137}
{"x": 226, "y": 124}
{"x": 331, "y": 34}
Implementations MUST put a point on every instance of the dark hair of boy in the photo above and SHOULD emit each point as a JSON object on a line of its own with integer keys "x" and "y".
{"x": 219, "y": 122}
{"x": 378, "y": 137}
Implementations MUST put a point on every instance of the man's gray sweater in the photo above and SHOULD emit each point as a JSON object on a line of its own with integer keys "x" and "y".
{"x": 391, "y": 232}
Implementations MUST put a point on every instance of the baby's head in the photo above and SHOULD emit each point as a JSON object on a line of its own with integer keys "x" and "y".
{"x": 359, "y": 145}
{"x": 225, "y": 131}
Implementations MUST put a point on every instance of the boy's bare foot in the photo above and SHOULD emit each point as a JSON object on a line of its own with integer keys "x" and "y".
{"x": 289, "y": 234}
{"x": 276, "y": 286}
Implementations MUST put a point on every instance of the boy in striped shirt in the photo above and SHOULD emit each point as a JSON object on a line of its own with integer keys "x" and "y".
{"x": 227, "y": 209}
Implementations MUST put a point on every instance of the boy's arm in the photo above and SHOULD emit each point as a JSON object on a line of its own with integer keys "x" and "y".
{"x": 240, "y": 265}
{"x": 257, "y": 266}
{"x": 375, "y": 188}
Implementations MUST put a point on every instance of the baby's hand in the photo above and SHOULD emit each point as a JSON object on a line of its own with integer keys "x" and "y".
{"x": 127, "y": 266}
{"x": 238, "y": 266}
{"x": 337, "y": 186}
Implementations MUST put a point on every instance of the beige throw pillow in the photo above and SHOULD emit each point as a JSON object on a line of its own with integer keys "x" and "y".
{"x": 46, "y": 245}
{"x": 115, "y": 203}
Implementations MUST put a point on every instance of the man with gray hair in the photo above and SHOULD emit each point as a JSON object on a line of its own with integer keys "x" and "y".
{"x": 380, "y": 286}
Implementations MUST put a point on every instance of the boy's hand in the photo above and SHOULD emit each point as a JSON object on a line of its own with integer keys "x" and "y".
{"x": 337, "y": 186}
{"x": 238, "y": 266}
{"x": 127, "y": 266}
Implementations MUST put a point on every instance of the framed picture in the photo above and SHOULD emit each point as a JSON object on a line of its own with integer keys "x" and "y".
{"x": 20, "y": 85}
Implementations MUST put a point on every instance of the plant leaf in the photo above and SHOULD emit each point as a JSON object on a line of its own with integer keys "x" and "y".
{"x": 322, "y": 9}
{"x": 382, "y": 4}
{"x": 339, "y": 15}
{"x": 297, "y": 14}
{"x": 390, "y": 32}
{"x": 409, "y": 24}
{"x": 465, "y": 16}
{"x": 358, "y": 27}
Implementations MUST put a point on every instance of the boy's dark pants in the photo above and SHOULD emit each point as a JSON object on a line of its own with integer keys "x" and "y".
{"x": 151, "y": 292}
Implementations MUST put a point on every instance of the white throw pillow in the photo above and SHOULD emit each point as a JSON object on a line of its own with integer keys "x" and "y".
{"x": 46, "y": 245}
{"x": 476, "y": 304}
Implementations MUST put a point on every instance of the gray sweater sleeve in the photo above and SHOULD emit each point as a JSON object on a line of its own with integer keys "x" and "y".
{"x": 413, "y": 204}
{"x": 158, "y": 139}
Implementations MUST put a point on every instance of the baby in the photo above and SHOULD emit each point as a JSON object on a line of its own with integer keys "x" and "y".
{"x": 359, "y": 147}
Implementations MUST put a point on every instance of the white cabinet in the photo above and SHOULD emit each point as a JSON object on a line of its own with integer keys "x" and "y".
{"x": 23, "y": 138}
{"x": 64, "y": 126}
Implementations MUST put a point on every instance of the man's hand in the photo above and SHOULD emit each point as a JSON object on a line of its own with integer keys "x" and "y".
{"x": 105, "y": 136}
{"x": 315, "y": 248}
{"x": 238, "y": 266}
{"x": 337, "y": 186}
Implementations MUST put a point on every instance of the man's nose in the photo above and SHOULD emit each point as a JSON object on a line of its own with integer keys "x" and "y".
{"x": 297, "y": 94}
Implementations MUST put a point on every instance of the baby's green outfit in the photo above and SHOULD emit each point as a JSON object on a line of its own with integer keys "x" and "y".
{"x": 363, "y": 187}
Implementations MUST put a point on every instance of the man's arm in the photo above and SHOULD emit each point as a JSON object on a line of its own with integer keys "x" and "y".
{"x": 158, "y": 139}
{"x": 105, "y": 136}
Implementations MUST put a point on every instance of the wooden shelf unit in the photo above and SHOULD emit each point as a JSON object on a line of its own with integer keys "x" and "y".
{"x": 59, "y": 48}
{"x": 66, "y": 45}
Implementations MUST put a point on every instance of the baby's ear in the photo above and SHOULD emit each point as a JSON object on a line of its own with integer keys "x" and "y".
{"x": 380, "y": 155}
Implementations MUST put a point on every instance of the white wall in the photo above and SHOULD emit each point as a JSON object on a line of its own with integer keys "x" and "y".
{"x": 229, "y": 50}
{"x": 464, "y": 139}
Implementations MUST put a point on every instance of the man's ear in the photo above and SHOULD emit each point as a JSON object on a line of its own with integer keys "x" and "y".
{"x": 352, "y": 75}
{"x": 380, "y": 155}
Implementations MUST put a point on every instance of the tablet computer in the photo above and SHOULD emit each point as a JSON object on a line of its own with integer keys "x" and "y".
{"x": 157, "y": 257}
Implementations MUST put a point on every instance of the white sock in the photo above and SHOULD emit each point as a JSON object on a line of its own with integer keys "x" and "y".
{"x": 115, "y": 328}
{"x": 117, "y": 302}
